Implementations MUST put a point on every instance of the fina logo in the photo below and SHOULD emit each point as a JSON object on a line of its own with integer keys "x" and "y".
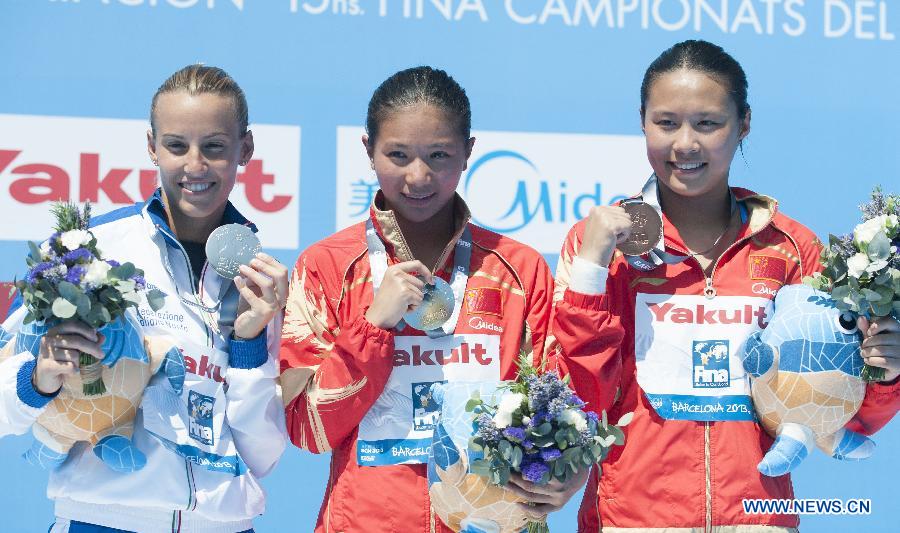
{"x": 500, "y": 187}
{"x": 711, "y": 364}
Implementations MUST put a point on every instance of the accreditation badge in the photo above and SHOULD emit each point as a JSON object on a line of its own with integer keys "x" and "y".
{"x": 398, "y": 427}
{"x": 192, "y": 424}
{"x": 687, "y": 354}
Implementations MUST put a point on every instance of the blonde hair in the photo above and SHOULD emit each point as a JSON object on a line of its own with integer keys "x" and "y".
{"x": 202, "y": 79}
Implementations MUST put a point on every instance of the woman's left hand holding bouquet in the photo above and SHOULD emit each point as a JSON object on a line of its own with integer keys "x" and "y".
{"x": 263, "y": 286}
{"x": 549, "y": 497}
{"x": 881, "y": 344}
{"x": 60, "y": 350}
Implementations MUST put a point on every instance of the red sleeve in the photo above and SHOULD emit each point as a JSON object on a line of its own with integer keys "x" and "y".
{"x": 879, "y": 406}
{"x": 589, "y": 334}
{"x": 331, "y": 373}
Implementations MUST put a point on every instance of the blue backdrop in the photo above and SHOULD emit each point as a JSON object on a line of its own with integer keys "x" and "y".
{"x": 551, "y": 73}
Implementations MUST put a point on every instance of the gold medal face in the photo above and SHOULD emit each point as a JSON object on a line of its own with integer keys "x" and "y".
{"x": 646, "y": 229}
{"x": 436, "y": 308}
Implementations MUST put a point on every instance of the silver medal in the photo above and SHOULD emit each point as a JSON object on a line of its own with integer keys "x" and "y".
{"x": 436, "y": 307}
{"x": 229, "y": 247}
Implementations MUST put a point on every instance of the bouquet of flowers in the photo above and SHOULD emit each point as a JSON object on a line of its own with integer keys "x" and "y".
{"x": 862, "y": 270}
{"x": 68, "y": 278}
{"x": 539, "y": 429}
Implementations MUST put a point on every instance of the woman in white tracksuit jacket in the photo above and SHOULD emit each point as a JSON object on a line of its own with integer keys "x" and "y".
{"x": 201, "y": 475}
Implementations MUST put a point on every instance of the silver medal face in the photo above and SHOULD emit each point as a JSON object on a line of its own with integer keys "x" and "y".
{"x": 436, "y": 308}
{"x": 230, "y": 246}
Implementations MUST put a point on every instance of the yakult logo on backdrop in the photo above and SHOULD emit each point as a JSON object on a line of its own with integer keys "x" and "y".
{"x": 105, "y": 161}
{"x": 530, "y": 186}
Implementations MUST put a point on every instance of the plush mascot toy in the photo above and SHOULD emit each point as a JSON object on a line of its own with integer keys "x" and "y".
{"x": 106, "y": 420}
{"x": 465, "y": 501}
{"x": 805, "y": 380}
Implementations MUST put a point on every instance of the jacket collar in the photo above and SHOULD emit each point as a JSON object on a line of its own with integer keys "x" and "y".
{"x": 757, "y": 212}
{"x": 388, "y": 229}
{"x": 156, "y": 211}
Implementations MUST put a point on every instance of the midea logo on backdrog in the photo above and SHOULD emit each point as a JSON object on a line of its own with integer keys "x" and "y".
{"x": 511, "y": 193}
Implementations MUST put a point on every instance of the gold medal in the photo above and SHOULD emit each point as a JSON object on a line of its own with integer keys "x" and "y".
{"x": 436, "y": 307}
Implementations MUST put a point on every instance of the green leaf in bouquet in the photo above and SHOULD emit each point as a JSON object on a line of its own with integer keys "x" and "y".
{"x": 625, "y": 419}
{"x": 560, "y": 438}
{"x": 505, "y": 449}
{"x": 883, "y": 279}
{"x": 882, "y": 309}
{"x": 125, "y": 285}
{"x": 559, "y": 469}
{"x": 475, "y": 444}
{"x": 870, "y": 295}
{"x": 83, "y": 305}
{"x": 125, "y": 271}
{"x": 604, "y": 421}
{"x": 516, "y": 457}
{"x": 504, "y": 473}
{"x": 29, "y": 318}
{"x": 572, "y": 434}
{"x": 34, "y": 252}
{"x": 879, "y": 247}
{"x": 69, "y": 291}
{"x": 840, "y": 293}
{"x": 543, "y": 429}
{"x": 618, "y": 434}
{"x": 63, "y": 308}
{"x": 470, "y": 405}
{"x": 481, "y": 467}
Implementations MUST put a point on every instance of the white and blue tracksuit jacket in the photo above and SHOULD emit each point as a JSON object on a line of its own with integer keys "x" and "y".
{"x": 200, "y": 476}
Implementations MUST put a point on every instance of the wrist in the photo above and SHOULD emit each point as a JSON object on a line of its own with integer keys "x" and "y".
{"x": 43, "y": 388}
{"x": 599, "y": 255}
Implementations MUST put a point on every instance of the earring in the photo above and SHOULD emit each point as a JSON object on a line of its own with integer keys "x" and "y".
{"x": 155, "y": 162}
{"x": 243, "y": 163}
{"x": 372, "y": 163}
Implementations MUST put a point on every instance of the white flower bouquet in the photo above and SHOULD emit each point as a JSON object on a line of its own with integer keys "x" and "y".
{"x": 862, "y": 270}
{"x": 68, "y": 279}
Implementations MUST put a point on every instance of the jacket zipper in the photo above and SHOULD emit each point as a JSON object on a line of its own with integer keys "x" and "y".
{"x": 707, "y": 462}
{"x": 191, "y": 487}
{"x": 710, "y": 292}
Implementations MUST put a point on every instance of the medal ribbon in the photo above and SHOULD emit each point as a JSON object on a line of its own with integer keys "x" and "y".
{"x": 462, "y": 256}
{"x": 658, "y": 255}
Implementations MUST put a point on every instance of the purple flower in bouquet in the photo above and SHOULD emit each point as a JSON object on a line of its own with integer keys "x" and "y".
{"x": 534, "y": 472}
{"x": 550, "y": 454}
{"x": 75, "y": 274}
{"x": 77, "y": 255}
{"x": 37, "y": 270}
{"x": 514, "y": 433}
{"x": 486, "y": 428}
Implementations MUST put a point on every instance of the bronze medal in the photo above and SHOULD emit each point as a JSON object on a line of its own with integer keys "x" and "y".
{"x": 646, "y": 229}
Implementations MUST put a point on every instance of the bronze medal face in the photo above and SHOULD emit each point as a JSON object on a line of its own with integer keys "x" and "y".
{"x": 646, "y": 229}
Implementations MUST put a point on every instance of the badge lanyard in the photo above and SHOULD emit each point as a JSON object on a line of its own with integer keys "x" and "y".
{"x": 658, "y": 255}
{"x": 462, "y": 256}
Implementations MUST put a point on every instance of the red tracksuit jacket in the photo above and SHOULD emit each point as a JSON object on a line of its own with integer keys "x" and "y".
{"x": 335, "y": 365}
{"x": 681, "y": 473}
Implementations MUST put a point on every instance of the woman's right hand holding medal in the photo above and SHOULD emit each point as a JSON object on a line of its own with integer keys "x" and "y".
{"x": 605, "y": 226}
{"x": 59, "y": 353}
{"x": 400, "y": 291}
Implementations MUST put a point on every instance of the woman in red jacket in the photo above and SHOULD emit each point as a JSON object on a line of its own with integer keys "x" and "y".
{"x": 355, "y": 377}
{"x": 715, "y": 263}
